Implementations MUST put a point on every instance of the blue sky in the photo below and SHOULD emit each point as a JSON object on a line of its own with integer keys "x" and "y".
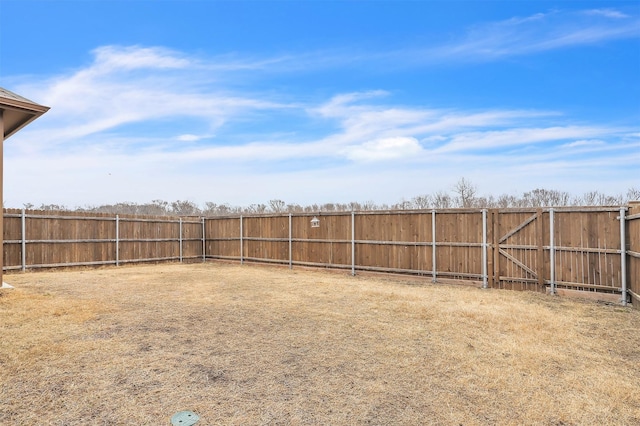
{"x": 319, "y": 101}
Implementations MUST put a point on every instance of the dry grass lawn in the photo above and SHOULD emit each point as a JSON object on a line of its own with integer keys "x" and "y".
{"x": 249, "y": 345}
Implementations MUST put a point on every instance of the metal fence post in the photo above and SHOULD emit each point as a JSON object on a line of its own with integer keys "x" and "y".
{"x": 353, "y": 243}
{"x": 23, "y": 221}
{"x": 117, "y": 240}
{"x": 623, "y": 256}
{"x": 204, "y": 241}
{"x": 290, "y": 245}
{"x": 241, "y": 242}
{"x": 552, "y": 251}
{"x": 485, "y": 277}
{"x": 433, "y": 244}
{"x": 180, "y": 240}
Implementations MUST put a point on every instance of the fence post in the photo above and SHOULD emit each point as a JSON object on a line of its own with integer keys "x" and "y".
{"x": 433, "y": 244}
{"x": 552, "y": 251}
{"x": 484, "y": 249}
{"x": 204, "y": 241}
{"x": 495, "y": 249}
{"x": 180, "y": 240}
{"x": 353, "y": 243}
{"x": 23, "y": 221}
{"x": 623, "y": 256}
{"x": 241, "y": 242}
{"x": 290, "y": 245}
{"x": 117, "y": 240}
{"x": 540, "y": 249}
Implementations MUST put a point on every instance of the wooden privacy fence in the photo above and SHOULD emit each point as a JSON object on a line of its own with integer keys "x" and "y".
{"x": 550, "y": 249}
{"x": 563, "y": 249}
{"x": 46, "y": 240}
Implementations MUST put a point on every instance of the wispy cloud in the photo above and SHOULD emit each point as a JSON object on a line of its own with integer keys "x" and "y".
{"x": 116, "y": 58}
{"x": 487, "y": 41}
{"x": 585, "y": 143}
{"x": 487, "y": 140}
{"x": 607, "y": 13}
{"x": 132, "y": 84}
{"x": 538, "y": 33}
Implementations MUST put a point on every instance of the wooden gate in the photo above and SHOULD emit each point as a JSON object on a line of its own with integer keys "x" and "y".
{"x": 518, "y": 250}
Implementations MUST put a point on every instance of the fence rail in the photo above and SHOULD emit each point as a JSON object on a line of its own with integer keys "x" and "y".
{"x": 594, "y": 250}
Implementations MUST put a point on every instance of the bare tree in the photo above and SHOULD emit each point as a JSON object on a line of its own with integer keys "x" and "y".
{"x": 354, "y": 206}
{"x": 52, "y": 207}
{"x": 402, "y": 205}
{"x": 224, "y": 209}
{"x": 277, "y": 206}
{"x": 369, "y": 205}
{"x": 184, "y": 208}
{"x": 484, "y": 202}
{"x": 466, "y": 193}
{"x": 506, "y": 200}
{"x": 633, "y": 194}
{"x": 442, "y": 200}
{"x": 294, "y": 208}
{"x": 545, "y": 198}
{"x": 256, "y": 209}
{"x": 597, "y": 198}
{"x": 421, "y": 201}
{"x": 466, "y": 197}
{"x": 155, "y": 207}
{"x": 210, "y": 208}
{"x": 328, "y": 207}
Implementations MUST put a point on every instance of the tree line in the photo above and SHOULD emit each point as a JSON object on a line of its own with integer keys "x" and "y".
{"x": 464, "y": 194}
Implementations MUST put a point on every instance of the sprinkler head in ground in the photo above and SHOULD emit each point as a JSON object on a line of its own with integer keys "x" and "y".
{"x": 184, "y": 418}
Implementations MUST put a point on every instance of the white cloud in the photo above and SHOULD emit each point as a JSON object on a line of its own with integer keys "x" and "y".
{"x": 607, "y": 13}
{"x": 189, "y": 138}
{"x": 361, "y": 123}
{"x": 384, "y": 149}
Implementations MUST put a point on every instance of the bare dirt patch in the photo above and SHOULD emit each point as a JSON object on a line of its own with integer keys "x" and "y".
{"x": 265, "y": 345}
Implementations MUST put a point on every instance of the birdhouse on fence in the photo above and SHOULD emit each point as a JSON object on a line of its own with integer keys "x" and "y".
{"x": 315, "y": 222}
{"x": 15, "y": 113}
